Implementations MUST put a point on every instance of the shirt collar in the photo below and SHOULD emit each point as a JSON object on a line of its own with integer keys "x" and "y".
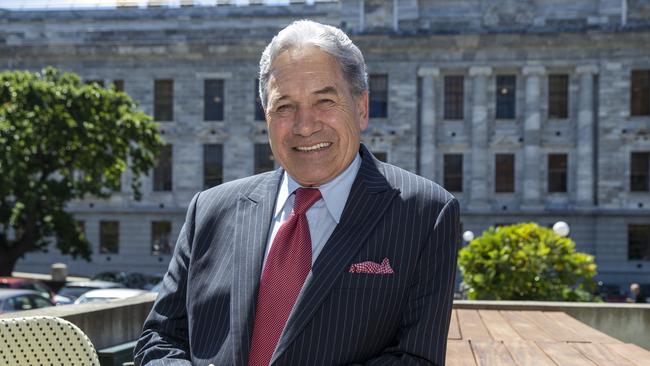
{"x": 335, "y": 192}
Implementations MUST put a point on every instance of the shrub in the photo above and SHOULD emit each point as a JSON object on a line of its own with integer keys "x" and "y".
{"x": 526, "y": 262}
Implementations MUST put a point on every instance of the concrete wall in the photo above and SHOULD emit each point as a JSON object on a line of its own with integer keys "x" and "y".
{"x": 106, "y": 324}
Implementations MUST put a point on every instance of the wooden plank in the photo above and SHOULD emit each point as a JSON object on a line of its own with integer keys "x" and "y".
{"x": 459, "y": 353}
{"x": 497, "y": 326}
{"x": 491, "y": 353}
{"x": 471, "y": 326}
{"x": 563, "y": 354}
{"x": 527, "y": 329}
{"x": 454, "y": 329}
{"x": 633, "y": 353}
{"x": 600, "y": 355}
{"x": 560, "y": 331}
{"x": 526, "y": 353}
{"x": 590, "y": 334}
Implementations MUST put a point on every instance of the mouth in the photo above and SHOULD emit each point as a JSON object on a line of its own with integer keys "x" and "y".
{"x": 316, "y": 147}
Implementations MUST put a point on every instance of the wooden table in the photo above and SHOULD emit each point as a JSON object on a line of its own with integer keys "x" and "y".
{"x": 535, "y": 338}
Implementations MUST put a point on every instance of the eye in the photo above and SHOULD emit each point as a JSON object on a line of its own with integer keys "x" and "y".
{"x": 325, "y": 102}
{"x": 283, "y": 108}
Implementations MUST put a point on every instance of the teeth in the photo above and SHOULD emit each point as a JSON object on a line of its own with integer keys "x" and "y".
{"x": 314, "y": 147}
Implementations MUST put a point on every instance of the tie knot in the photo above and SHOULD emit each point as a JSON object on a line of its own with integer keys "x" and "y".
{"x": 305, "y": 198}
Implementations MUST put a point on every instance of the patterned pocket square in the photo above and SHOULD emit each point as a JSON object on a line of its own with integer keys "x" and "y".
{"x": 372, "y": 267}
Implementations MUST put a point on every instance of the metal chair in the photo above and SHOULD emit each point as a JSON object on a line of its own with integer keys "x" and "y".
{"x": 44, "y": 340}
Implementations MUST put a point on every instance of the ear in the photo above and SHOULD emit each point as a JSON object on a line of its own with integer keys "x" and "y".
{"x": 362, "y": 110}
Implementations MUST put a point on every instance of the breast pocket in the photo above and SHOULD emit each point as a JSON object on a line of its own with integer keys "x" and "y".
{"x": 369, "y": 281}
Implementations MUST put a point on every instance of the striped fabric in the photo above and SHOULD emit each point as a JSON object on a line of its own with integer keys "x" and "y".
{"x": 204, "y": 313}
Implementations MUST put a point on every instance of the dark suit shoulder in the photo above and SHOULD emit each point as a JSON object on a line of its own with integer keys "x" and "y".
{"x": 413, "y": 186}
{"x": 223, "y": 197}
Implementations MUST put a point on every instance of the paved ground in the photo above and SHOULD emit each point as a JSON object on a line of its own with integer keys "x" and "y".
{"x": 535, "y": 338}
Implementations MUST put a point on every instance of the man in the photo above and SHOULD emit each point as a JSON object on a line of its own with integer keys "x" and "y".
{"x": 334, "y": 259}
{"x": 634, "y": 295}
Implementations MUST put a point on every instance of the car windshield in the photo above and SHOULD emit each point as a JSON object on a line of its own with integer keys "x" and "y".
{"x": 73, "y": 291}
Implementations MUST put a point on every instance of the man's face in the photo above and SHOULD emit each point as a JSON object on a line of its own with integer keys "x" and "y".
{"x": 313, "y": 119}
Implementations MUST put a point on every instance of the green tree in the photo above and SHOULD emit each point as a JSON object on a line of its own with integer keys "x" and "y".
{"x": 61, "y": 140}
{"x": 526, "y": 262}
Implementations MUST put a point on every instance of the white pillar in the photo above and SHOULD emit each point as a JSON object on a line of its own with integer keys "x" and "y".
{"x": 533, "y": 162}
{"x": 479, "y": 160}
{"x": 585, "y": 137}
{"x": 428, "y": 122}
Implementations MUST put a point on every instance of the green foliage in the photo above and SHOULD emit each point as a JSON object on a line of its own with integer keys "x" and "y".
{"x": 61, "y": 140}
{"x": 526, "y": 262}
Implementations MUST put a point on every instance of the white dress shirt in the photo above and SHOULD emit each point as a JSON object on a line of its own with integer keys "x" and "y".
{"x": 323, "y": 216}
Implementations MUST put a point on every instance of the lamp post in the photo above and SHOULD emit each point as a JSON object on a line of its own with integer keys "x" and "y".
{"x": 561, "y": 228}
{"x": 468, "y": 236}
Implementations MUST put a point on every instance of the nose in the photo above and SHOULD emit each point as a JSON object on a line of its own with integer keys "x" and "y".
{"x": 306, "y": 122}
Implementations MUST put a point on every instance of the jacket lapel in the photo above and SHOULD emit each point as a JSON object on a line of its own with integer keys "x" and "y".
{"x": 251, "y": 224}
{"x": 369, "y": 198}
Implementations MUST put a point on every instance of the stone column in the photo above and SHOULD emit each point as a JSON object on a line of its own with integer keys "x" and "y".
{"x": 585, "y": 137}
{"x": 479, "y": 163}
{"x": 533, "y": 160}
{"x": 428, "y": 122}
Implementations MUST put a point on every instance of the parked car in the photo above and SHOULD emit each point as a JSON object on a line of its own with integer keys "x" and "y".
{"x": 27, "y": 284}
{"x": 611, "y": 292}
{"x": 17, "y": 300}
{"x": 129, "y": 279}
{"x": 72, "y": 290}
{"x": 108, "y": 295}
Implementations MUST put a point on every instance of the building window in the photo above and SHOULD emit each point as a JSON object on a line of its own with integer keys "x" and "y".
{"x": 640, "y": 172}
{"x": 163, "y": 96}
{"x": 263, "y": 158}
{"x": 259, "y": 109}
{"x": 558, "y": 96}
{"x": 109, "y": 237}
{"x": 504, "y": 173}
{"x": 638, "y": 242}
{"x": 212, "y": 165}
{"x": 99, "y": 82}
{"x": 453, "y": 172}
{"x": 162, "y": 171}
{"x": 506, "y": 96}
{"x": 81, "y": 225}
{"x": 380, "y": 155}
{"x": 213, "y": 100}
{"x": 454, "y": 97}
{"x": 118, "y": 85}
{"x": 378, "y": 85}
{"x": 557, "y": 173}
{"x": 161, "y": 232}
{"x": 640, "y": 93}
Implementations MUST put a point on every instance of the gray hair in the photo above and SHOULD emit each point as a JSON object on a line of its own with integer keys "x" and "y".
{"x": 329, "y": 39}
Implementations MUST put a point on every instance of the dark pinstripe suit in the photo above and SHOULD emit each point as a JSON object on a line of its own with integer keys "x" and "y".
{"x": 206, "y": 308}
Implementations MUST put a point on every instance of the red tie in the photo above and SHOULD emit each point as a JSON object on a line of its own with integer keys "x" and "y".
{"x": 286, "y": 268}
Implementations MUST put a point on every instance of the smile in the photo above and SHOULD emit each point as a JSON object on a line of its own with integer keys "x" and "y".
{"x": 318, "y": 146}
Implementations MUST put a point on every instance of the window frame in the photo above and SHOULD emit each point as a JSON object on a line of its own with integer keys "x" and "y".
{"x": 499, "y": 179}
{"x": 378, "y": 97}
{"x": 506, "y": 103}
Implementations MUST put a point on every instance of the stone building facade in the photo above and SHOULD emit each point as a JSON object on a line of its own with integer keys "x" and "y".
{"x": 526, "y": 110}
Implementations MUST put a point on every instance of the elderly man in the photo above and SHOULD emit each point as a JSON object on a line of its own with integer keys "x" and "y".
{"x": 334, "y": 259}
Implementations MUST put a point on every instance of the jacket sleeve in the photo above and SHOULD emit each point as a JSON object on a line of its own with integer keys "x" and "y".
{"x": 164, "y": 339}
{"x": 422, "y": 338}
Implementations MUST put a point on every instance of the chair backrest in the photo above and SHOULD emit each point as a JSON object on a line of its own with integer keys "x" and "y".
{"x": 44, "y": 340}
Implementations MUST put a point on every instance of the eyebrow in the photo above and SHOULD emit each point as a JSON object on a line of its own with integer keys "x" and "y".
{"x": 327, "y": 90}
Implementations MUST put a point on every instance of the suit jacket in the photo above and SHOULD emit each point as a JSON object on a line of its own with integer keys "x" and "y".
{"x": 205, "y": 311}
